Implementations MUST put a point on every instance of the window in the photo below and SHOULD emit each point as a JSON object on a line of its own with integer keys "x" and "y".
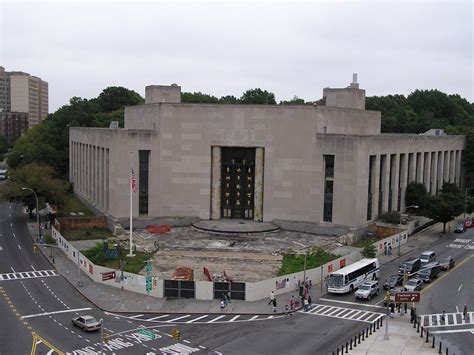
{"x": 328, "y": 187}
{"x": 143, "y": 181}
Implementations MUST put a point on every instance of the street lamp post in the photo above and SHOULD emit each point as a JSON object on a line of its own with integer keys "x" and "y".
{"x": 400, "y": 233}
{"x": 465, "y": 199}
{"x": 37, "y": 209}
{"x": 305, "y": 259}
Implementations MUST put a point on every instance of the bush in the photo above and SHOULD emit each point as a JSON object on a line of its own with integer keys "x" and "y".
{"x": 390, "y": 217}
{"x": 369, "y": 251}
{"x": 294, "y": 263}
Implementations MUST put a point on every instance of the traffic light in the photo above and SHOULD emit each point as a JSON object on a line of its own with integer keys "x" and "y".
{"x": 34, "y": 249}
{"x": 149, "y": 282}
{"x": 176, "y": 334}
{"x": 155, "y": 282}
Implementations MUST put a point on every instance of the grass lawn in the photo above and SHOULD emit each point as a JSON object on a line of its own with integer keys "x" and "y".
{"x": 133, "y": 265}
{"x": 73, "y": 204}
{"x": 86, "y": 234}
{"x": 295, "y": 263}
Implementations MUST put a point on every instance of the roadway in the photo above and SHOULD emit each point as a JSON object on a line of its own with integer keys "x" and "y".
{"x": 38, "y": 305}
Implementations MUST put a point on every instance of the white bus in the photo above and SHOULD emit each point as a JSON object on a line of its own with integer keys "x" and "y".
{"x": 350, "y": 277}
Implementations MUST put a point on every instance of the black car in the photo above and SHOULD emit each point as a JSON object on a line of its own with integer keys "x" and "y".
{"x": 446, "y": 263}
{"x": 392, "y": 281}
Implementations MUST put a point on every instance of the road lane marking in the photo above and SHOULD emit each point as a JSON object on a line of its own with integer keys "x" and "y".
{"x": 453, "y": 331}
{"x": 50, "y": 352}
{"x": 14, "y": 236}
{"x": 234, "y": 318}
{"x": 11, "y": 267}
{"x": 457, "y": 309}
{"x": 459, "y": 289}
{"x": 354, "y": 303}
{"x": 175, "y": 319}
{"x": 198, "y": 318}
{"x": 136, "y": 316}
{"x": 20, "y": 276}
{"x": 217, "y": 318}
{"x": 154, "y": 318}
{"x": 33, "y": 267}
{"x": 56, "y": 312}
{"x": 19, "y": 247}
{"x": 254, "y": 317}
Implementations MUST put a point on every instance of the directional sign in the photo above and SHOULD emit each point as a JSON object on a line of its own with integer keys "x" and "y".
{"x": 147, "y": 333}
{"x": 148, "y": 268}
{"x": 407, "y": 297}
{"x": 108, "y": 275}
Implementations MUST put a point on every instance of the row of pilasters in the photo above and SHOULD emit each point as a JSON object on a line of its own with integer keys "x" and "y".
{"x": 89, "y": 173}
{"x": 391, "y": 173}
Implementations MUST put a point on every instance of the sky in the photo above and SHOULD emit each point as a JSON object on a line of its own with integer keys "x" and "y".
{"x": 225, "y": 48}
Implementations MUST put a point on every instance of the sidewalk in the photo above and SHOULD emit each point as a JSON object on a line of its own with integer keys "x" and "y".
{"x": 403, "y": 339}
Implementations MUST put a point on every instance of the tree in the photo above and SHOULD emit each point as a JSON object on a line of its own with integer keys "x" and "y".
{"x": 41, "y": 179}
{"x": 294, "y": 101}
{"x": 416, "y": 195}
{"x": 444, "y": 207}
{"x": 258, "y": 97}
{"x": 116, "y": 97}
{"x": 369, "y": 250}
{"x": 198, "y": 97}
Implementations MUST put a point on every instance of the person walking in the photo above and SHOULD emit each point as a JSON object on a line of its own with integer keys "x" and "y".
{"x": 412, "y": 314}
{"x": 272, "y": 297}
{"x": 292, "y": 303}
{"x": 389, "y": 250}
{"x": 309, "y": 301}
{"x": 443, "y": 317}
{"x": 305, "y": 305}
{"x": 464, "y": 313}
{"x": 222, "y": 305}
{"x": 274, "y": 302}
{"x": 392, "y": 310}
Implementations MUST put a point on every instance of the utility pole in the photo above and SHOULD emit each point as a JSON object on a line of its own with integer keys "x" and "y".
{"x": 148, "y": 283}
{"x": 102, "y": 336}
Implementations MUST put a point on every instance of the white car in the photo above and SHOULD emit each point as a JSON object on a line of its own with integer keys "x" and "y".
{"x": 367, "y": 290}
{"x": 414, "y": 285}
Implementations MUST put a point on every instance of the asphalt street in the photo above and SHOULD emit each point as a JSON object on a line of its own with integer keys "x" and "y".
{"x": 37, "y": 306}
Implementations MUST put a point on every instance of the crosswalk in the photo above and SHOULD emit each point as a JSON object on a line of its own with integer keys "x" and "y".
{"x": 343, "y": 313}
{"x": 11, "y": 276}
{"x": 177, "y": 349}
{"x": 450, "y": 319}
{"x": 212, "y": 318}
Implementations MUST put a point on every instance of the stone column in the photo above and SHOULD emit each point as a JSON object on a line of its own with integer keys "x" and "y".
{"x": 375, "y": 187}
{"x": 216, "y": 182}
{"x": 434, "y": 171}
{"x": 458, "y": 167}
{"x": 446, "y": 166}
{"x": 259, "y": 170}
{"x": 452, "y": 164}
{"x": 395, "y": 165}
{"x": 420, "y": 164}
{"x": 440, "y": 169}
{"x": 427, "y": 170}
{"x": 384, "y": 170}
{"x": 404, "y": 179}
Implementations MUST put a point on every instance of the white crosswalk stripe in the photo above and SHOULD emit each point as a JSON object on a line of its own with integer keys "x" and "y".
{"x": 28, "y": 275}
{"x": 450, "y": 319}
{"x": 344, "y": 313}
{"x": 197, "y": 318}
{"x": 178, "y": 349}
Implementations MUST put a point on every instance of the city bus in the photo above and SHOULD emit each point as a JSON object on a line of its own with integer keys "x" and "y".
{"x": 350, "y": 277}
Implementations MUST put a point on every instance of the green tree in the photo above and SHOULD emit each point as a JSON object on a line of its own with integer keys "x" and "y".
{"x": 229, "y": 100}
{"x": 444, "y": 207}
{"x": 294, "y": 101}
{"x": 41, "y": 179}
{"x": 258, "y": 97}
{"x": 416, "y": 195}
{"x": 369, "y": 250}
{"x": 116, "y": 97}
{"x": 198, "y": 97}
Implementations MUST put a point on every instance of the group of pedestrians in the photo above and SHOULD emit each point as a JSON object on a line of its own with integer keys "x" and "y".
{"x": 225, "y": 300}
{"x": 294, "y": 303}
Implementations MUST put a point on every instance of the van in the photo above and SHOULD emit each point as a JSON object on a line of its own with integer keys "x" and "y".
{"x": 429, "y": 272}
{"x": 427, "y": 257}
{"x": 410, "y": 266}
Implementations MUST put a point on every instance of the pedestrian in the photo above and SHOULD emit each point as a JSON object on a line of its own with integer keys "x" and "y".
{"x": 228, "y": 297}
{"x": 309, "y": 301}
{"x": 274, "y": 302}
{"x": 272, "y": 297}
{"x": 385, "y": 252}
{"x": 405, "y": 307}
{"x": 224, "y": 298}
{"x": 292, "y": 302}
{"x": 392, "y": 310}
{"x": 443, "y": 317}
{"x": 464, "y": 313}
{"x": 305, "y": 305}
{"x": 412, "y": 314}
{"x": 287, "y": 309}
{"x": 389, "y": 250}
{"x": 222, "y": 305}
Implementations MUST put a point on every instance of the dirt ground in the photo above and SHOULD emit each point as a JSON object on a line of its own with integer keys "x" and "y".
{"x": 244, "y": 257}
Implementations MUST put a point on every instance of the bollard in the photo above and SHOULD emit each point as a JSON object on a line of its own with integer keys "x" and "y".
{"x": 433, "y": 344}
{"x": 418, "y": 328}
{"x": 363, "y": 334}
{"x": 367, "y": 332}
{"x": 347, "y": 347}
{"x": 421, "y": 335}
{"x": 447, "y": 351}
{"x": 414, "y": 323}
{"x": 381, "y": 322}
{"x": 427, "y": 334}
{"x": 439, "y": 351}
{"x": 337, "y": 351}
{"x": 371, "y": 329}
{"x": 350, "y": 348}
{"x": 355, "y": 341}
{"x": 342, "y": 349}
{"x": 359, "y": 338}
{"x": 378, "y": 323}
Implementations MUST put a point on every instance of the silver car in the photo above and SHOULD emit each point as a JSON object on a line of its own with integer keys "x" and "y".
{"x": 367, "y": 290}
{"x": 414, "y": 285}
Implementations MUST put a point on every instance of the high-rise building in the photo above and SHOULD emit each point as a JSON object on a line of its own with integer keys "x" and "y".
{"x": 23, "y": 102}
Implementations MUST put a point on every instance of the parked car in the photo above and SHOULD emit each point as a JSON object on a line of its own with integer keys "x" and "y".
{"x": 446, "y": 263}
{"x": 460, "y": 228}
{"x": 86, "y": 323}
{"x": 468, "y": 223}
{"x": 409, "y": 266}
{"x": 427, "y": 257}
{"x": 367, "y": 290}
{"x": 429, "y": 272}
{"x": 414, "y": 285}
{"x": 392, "y": 281}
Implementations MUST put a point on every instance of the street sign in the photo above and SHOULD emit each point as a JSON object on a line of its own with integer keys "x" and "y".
{"x": 407, "y": 297}
{"x": 147, "y": 333}
{"x": 148, "y": 267}
{"x": 149, "y": 283}
{"x": 108, "y": 275}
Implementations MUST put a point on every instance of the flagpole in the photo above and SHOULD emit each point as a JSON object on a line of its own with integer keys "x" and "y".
{"x": 131, "y": 206}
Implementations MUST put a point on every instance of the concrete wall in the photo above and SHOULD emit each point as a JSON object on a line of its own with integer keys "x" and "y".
{"x": 81, "y": 222}
{"x": 204, "y": 290}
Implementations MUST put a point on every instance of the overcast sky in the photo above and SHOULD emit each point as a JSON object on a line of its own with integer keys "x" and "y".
{"x": 223, "y": 48}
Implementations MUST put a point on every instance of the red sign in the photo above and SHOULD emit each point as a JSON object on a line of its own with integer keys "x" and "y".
{"x": 342, "y": 263}
{"x": 407, "y": 297}
{"x": 108, "y": 275}
{"x": 330, "y": 268}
